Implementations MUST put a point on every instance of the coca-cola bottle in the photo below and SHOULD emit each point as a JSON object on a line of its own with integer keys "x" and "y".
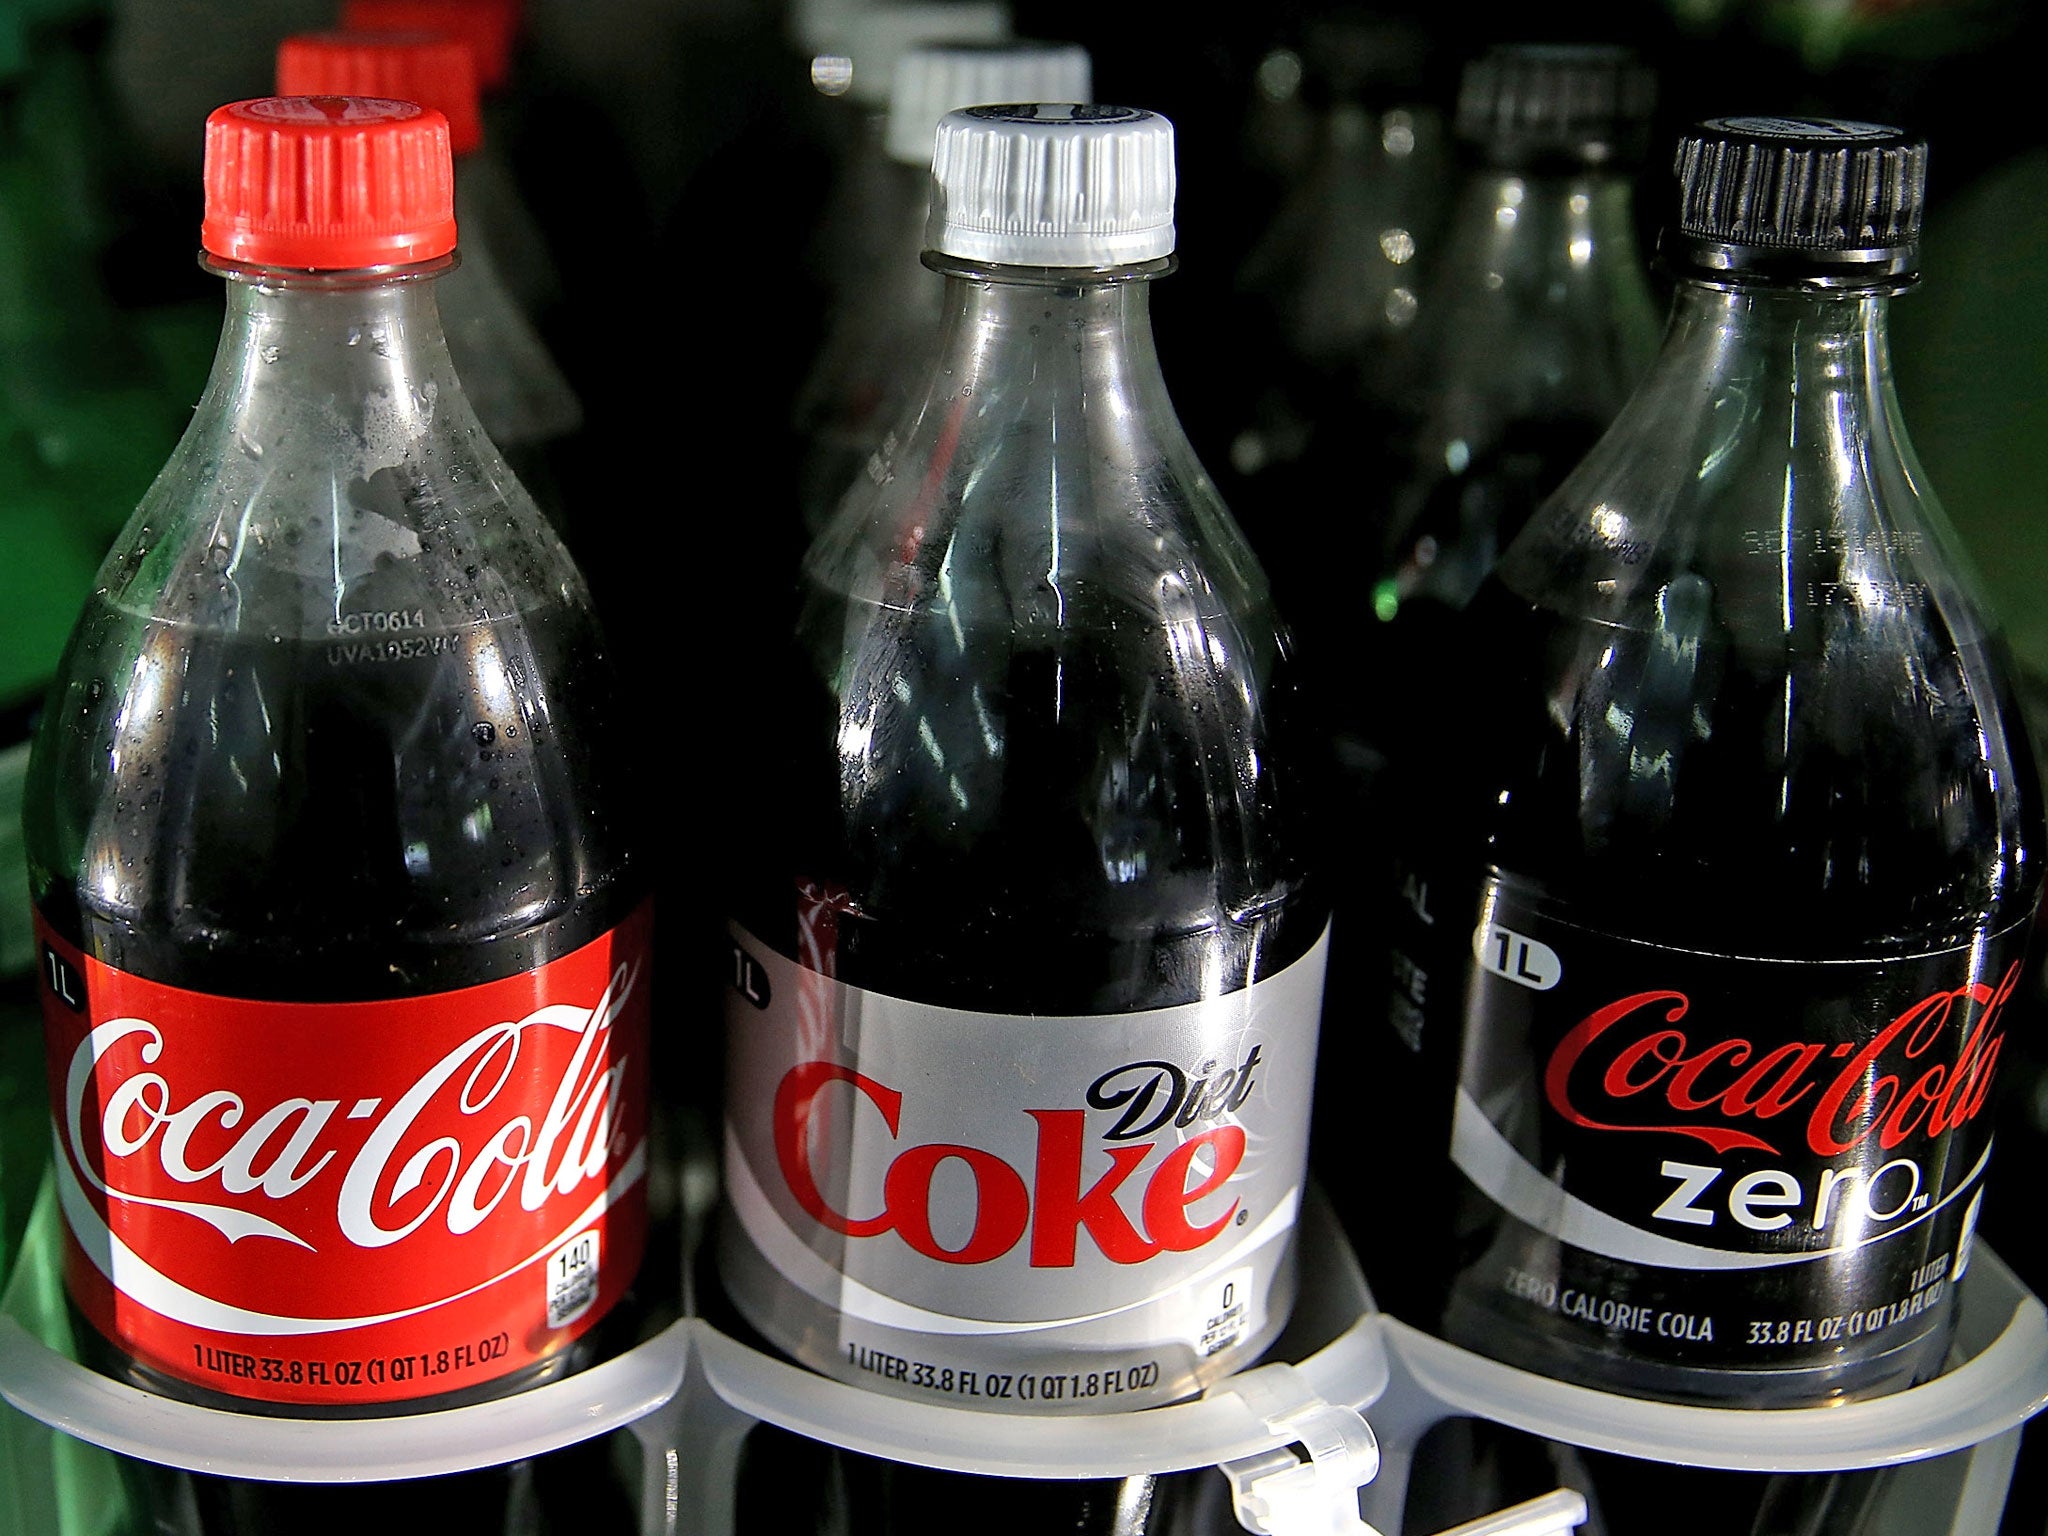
{"x": 343, "y": 929}
{"x": 880, "y": 335}
{"x": 1026, "y": 960}
{"x": 856, "y": 48}
{"x": 1737, "y": 838}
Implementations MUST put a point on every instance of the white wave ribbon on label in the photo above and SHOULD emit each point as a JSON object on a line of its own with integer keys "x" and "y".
{"x": 1521, "y": 1189}
{"x": 140, "y": 1281}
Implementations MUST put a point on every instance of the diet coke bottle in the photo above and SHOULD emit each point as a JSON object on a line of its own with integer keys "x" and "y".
{"x": 1739, "y": 838}
{"x": 343, "y": 937}
{"x": 1026, "y": 966}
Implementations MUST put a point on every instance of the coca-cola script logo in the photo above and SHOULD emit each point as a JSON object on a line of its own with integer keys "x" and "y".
{"x": 383, "y": 1174}
{"x": 1616, "y": 1071}
{"x": 287, "y": 1146}
{"x": 1045, "y": 1199}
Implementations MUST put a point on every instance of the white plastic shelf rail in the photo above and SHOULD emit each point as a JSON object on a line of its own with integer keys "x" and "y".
{"x": 1298, "y": 1440}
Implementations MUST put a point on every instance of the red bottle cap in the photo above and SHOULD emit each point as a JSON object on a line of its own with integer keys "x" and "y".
{"x": 488, "y": 26}
{"x": 431, "y": 68}
{"x": 328, "y": 182}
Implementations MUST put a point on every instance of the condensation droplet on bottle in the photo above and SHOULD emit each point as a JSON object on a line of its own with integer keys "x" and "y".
{"x": 484, "y": 732}
{"x": 269, "y": 354}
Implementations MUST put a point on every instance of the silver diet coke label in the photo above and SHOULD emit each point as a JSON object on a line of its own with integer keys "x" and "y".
{"x": 1030, "y": 1213}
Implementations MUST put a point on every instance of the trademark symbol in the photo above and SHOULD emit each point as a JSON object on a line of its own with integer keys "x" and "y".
{"x": 1920, "y": 1202}
{"x": 1243, "y": 1217}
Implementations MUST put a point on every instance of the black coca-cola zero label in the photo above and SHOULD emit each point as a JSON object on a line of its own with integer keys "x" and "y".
{"x": 1710, "y": 1160}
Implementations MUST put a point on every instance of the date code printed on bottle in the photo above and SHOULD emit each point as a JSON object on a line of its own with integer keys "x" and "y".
{"x": 572, "y": 1278}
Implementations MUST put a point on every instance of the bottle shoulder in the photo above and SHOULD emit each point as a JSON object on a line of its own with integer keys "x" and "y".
{"x": 1873, "y": 794}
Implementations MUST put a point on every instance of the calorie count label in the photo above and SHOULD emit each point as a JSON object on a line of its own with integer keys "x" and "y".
{"x": 376, "y": 1371}
{"x": 1929, "y": 1287}
{"x": 572, "y": 1275}
{"x": 1005, "y": 1386}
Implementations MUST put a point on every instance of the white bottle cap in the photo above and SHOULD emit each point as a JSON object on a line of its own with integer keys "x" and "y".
{"x": 932, "y": 80}
{"x": 1053, "y": 185}
{"x": 874, "y": 37}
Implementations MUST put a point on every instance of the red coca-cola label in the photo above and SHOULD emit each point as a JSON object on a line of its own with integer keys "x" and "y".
{"x": 351, "y": 1203}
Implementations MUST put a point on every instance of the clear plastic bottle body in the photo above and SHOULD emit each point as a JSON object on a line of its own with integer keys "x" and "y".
{"x": 1334, "y": 279}
{"x": 363, "y": 653}
{"x": 517, "y": 389}
{"x": 1041, "y": 675}
{"x": 1732, "y": 727}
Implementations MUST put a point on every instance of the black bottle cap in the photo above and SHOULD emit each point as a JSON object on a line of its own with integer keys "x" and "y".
{"x": 1542, "y": 106}
{"x": 1808, "y": 200}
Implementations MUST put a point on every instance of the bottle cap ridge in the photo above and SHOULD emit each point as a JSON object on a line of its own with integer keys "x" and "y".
{"x": 328, "y": 183}
{"x": 1053, "y": 185}
{"x": 1582, "y": 104}
{"x": 1816, "y": 198}
{"x": 431, "y": 68}
{"x": 490, "y": 27}
{"x": 1589, "y": 103}
{"x": 932, "y": 80}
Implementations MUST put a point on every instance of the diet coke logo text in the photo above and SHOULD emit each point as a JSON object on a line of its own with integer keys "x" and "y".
{"x": 1046, "y": 1200}
{"x": 1614, "y": 1071}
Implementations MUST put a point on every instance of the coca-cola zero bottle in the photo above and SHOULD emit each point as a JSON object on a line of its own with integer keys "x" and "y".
{"x": 1738, "y": 838}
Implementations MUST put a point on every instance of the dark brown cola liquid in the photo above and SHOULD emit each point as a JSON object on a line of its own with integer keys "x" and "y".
{"x": 390, "y": 810}
{"x": 1028, "y": 824}
{"x": 1778, "y": 851}
{"x": 377, "y": 813}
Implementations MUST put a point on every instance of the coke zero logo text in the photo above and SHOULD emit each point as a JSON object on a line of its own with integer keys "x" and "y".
{"x": 1612, "y": 1073}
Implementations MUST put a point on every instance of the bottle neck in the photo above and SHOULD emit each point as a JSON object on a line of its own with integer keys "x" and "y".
{"x": 1073, "y": 343}
{"x": 360, "y": 351}
{"x": 1817, "y": 360}
{"x": 1766, "y": 452}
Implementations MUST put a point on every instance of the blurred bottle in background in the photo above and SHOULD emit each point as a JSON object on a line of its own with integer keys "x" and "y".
{"x": 1327, "y": 298}
{"x": 491, "y": 205}
{"x": 1538, "y": 317}
{"x": 885, "y": 324}
{"x": 525, "y": 404}
{"x": 873, "y": 195}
